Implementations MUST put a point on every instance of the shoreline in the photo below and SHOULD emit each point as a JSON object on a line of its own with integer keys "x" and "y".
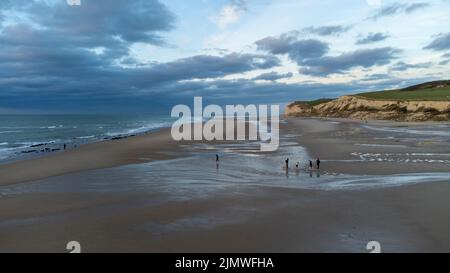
{"x": 248, "y": 204}
{"x": 146, "y": 147}
{"x": 317, "y": 137}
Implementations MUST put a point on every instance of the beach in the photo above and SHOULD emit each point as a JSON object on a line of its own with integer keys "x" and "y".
{"x": 379, "y": 181}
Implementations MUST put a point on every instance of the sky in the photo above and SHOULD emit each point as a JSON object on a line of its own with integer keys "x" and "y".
{"x": 145, "y": 56}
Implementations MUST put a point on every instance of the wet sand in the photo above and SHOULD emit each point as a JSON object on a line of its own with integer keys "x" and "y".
{"x": 340, "y": 144}
{"x": 248, "y": 219}
{"x": 249, "y": 204}
{"x": 137, "y": 149}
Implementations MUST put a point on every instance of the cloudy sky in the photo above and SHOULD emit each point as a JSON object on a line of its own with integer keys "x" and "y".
{"x": 144, "y": 56}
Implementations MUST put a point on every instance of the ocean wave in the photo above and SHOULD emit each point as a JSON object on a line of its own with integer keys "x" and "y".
{"x": 7, "y": 152}
{"x": 37, "y": 143}
{"x": 9, "y": 132}
{"x": 85, "y": 137}
{"x": 139, "y": 130}
{"x": 52, "y": 127}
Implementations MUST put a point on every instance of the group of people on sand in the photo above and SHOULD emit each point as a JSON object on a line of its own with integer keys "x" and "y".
{"x": 311, "y": 167}
{"x": 297, "y": 165}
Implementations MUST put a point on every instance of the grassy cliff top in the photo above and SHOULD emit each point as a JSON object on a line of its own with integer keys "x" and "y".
{"x": 430, "y": 91}
{"x": 311, "y": 102}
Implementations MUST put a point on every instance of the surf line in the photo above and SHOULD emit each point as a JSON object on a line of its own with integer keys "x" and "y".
{"x": 262, "y": 125}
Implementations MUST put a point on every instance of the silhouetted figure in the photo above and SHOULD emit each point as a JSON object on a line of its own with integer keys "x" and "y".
{"x": 287, "y": 163}
{"x": 310, "y": 165}
{"x": 217, "y": 161}
{"x": 65, "y": 146}
{"x": 318, "y": 163}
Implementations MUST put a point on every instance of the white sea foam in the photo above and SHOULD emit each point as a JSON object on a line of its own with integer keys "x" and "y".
{"x": 85, "y": 137}
{"x": 380, "y": 145}
{"x": 139, "y": 130}
{"x": 10, "y": 132}
{"x": 403, "y": 157}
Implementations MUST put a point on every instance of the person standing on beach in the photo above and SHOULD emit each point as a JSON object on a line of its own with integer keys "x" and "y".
{"x": 310, "y": 164}
{"x": 287, "y": 163}
{"x": 318, "y": 163}
{"x": 64, "y": 146}
{"x": 217, "y": 161}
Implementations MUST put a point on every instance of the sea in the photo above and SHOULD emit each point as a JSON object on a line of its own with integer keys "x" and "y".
{"x": 33, "y": 135}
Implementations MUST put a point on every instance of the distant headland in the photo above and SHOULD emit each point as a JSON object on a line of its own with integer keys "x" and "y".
{"x": 428, "y": 101}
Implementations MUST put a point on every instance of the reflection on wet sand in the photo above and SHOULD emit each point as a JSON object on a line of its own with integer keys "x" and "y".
{"x": 198, "y": 203}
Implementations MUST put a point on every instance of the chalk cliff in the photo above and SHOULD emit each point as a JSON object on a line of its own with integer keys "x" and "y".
{"x": 364, "y": 108}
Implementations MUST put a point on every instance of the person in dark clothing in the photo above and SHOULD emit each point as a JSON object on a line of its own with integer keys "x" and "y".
{"x": 217, "y": 158}
{"x": 318, "y": 163}
{"x": 64, "y": 146}
{"x": 287, "y": 163}
{"x": 310, "y": 165}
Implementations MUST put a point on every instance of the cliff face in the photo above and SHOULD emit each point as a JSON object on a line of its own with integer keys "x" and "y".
{"x": 363, "y": 108}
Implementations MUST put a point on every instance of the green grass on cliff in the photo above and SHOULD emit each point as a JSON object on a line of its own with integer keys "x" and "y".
{"x": 317, "y": 102}
{"x": 311, "y": 103}
{"x": 438, "y": 94}
{"x": 432, "y": 91}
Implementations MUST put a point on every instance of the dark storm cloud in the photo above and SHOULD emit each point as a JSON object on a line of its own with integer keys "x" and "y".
{"x": 311, "y": 56}
{"x": 297, "y": 50}
{"x": 202, "y": 67}
{"x": 243, "y": 90}
{"x": 273, "y": 76}
{"x": 440, "y": 42}
{"x": 402, "y": 66}
{"x": 327, "y": 30}
{"x": 366, "y": 58}
{"x": 61, "y": 38}
{"x": 69, "y": 57}
{"x": 398, "y": 8}
{"x": 372, "y": 38}
{"x": 97, "y": 20}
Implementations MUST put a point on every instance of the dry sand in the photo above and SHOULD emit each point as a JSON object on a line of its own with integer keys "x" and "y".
{"x": 137, "y": 149}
